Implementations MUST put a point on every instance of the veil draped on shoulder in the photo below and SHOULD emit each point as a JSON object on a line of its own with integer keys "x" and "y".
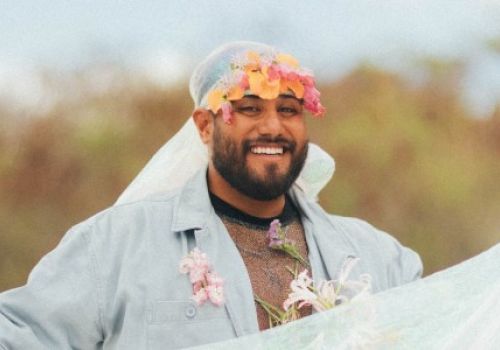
{"x": 184, "y": 154}
{"x": 454, "y": 309}
{"x": 457, "y": 308}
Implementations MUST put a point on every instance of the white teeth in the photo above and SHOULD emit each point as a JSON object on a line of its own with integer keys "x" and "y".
{"x": 267, "y": 150}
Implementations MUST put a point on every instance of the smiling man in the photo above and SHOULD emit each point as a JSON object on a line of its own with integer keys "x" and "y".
{"x": 207, "y": 243}
{"x": 258, "y": 155}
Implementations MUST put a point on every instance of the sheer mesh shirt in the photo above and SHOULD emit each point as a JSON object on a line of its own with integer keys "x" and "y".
{"x": 266, "y": 267}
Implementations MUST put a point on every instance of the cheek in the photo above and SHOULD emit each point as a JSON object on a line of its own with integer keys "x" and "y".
{"x": 298, "y": 131}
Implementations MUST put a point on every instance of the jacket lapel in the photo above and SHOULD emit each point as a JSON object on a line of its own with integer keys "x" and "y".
{"x": 194, "y": 211}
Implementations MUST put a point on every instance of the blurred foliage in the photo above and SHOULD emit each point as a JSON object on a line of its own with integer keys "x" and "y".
{"x": 410, "y": 159}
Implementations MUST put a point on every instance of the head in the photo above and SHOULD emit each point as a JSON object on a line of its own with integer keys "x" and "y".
{"x": 251, "y": 117}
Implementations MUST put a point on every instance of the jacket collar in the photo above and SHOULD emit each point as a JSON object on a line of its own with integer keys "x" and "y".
{"x": 324, "y": 236}
{"x": 192, "y": 207}
{"x": 193, "y": 204}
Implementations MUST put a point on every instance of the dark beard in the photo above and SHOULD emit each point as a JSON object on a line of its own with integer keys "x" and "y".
{"x": 230, "y": 162}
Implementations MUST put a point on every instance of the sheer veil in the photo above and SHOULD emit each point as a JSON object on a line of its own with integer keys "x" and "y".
{"x": 184, "y": 154}
{"x": 454, "y": 309}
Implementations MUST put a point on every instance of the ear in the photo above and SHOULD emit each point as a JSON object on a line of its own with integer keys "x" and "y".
{"x": 204, "y": 121}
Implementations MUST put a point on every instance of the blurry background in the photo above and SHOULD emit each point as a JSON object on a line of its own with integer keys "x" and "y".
{"x": 90, "y": 90}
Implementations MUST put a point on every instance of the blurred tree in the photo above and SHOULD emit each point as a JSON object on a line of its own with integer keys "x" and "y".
{"x": 410, "y": 159}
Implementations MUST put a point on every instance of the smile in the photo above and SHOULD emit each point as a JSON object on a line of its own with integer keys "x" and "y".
{"x": 267, "y": 150}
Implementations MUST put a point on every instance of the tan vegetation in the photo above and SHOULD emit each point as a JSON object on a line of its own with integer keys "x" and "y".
{"x": 410, "y": 159}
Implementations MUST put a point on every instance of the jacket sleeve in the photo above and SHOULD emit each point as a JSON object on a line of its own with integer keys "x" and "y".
{"x": 391, "y": 264}
{"x": 403, "y": 264}
{"x": 59, "y": 307}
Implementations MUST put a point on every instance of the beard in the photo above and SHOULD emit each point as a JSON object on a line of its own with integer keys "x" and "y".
{"x": 230, "y": 162}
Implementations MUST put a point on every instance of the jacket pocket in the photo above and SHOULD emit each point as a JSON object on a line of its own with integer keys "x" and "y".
{"x": 181, "y": 323}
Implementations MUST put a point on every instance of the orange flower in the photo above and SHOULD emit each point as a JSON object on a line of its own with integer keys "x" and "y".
{"x": 235, "y": 93}
{"x": 270, "y": 89}
{"x": 294, "y": 85}
{"x": 287, "y": 59}
{"x": 215, "y": 99}
{"x": 253, "y": 62}
{"x": 262, "y": 87}
{"x": 253, "y": 57}
{"x": 255, "y": 79}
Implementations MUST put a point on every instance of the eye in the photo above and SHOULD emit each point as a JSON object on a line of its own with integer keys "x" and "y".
{"x": 248, "y": 110}
{"x": 289, "y": 111}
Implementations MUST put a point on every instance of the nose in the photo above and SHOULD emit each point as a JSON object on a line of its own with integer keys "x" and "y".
{"x": 270, "y": 123}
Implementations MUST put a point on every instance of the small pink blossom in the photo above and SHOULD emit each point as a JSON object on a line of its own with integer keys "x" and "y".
{"x": 196, "y": 264}
{"x": 227, "y": 112}
{"x": 274, "y": 72}
{"x": 244, "y": 83}
{"x": 312, "y": 101}
{"x": 215, "y": 294}
{"x": 276, "y": 236}
{"x": 214, "y": 279}
{"x": 207, "y": 284}
{"x": 284, "y": 69}
{"x": 292, "y": 76}
{"x": 307, "y": 80}
{"x": 200, "y": 296}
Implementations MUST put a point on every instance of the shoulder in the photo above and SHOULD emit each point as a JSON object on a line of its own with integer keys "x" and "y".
{"x": 401, "y": 263}
{"x": 157, "y": 207}
{"x": 352, "y": 231}
{"x": 388, "y": 261}
{"x": 362, "y": 233}
{"x": 126, "y": 224}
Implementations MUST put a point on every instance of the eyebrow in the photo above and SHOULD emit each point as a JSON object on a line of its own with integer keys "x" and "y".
{"x": 280, "y": 96}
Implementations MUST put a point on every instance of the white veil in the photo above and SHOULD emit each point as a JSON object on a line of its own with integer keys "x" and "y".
{"x": 454, "y": 309}
{"x": 184, "y": 154}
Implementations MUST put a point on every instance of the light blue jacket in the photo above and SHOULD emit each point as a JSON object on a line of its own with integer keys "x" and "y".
{"x": 113, "y": 281}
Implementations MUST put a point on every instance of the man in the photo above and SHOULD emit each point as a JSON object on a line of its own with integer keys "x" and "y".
{"x": 186, "y": 267}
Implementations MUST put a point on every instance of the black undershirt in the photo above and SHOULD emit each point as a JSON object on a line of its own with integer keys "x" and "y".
{"x": 225, "y": 209}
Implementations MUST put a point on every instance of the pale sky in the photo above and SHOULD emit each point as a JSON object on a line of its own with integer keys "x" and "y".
{"x": 166, "y": 38}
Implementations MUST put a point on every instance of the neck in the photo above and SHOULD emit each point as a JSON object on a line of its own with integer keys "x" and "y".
{"x": 261, "y": 209}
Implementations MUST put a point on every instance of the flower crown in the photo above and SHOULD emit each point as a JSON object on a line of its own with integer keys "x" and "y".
{"x": 266, "y": 76}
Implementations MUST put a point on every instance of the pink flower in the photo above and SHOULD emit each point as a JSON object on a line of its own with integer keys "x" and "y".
{"x": 292, "y": 76}
{"x": 227, "y": 112}
{"x": 200, "y": 296}
{"x": 186, "y": 264}
{"x": 312, "y": 102}
{"x": 307, "y": 80}
{"x": 273, "y": 72}
{"x": 196, "y": 264}
{"x": 215, "y": 294}
{"x": 273, "y": 235}
{"x": 207, "y": 284}
{"x": 244, "y": 84}
{"x": 278, "y": 241}
{"x": 214, "y": 279}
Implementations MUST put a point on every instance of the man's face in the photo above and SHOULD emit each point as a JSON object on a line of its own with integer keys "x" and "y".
{"x": 263, "y": 150}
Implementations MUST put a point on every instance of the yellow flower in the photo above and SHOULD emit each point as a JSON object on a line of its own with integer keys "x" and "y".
{"x": 262, "y": 87}
{"x": 295, "y": 86}
{"x": 253, "y": 57}
{"x": 287, "y": 59}
{"x": 235, "y": 93}
{"x": 270, "y": 89}
{"x": 255, "y": 79}
{"x": 215, "y": 99}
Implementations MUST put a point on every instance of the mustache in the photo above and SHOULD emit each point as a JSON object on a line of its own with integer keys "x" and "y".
{"x": 288, "y": 145}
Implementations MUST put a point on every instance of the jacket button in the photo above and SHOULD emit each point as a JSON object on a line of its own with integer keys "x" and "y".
{"x": 190, "y": 311}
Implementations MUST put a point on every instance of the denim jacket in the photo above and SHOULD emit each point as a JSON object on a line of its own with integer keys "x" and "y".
{"x": 113, "y": 282}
